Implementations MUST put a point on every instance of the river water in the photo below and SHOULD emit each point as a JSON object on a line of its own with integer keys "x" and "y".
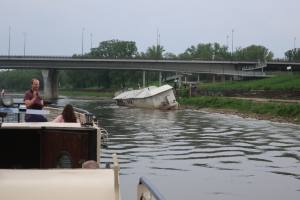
{"x": 189, "y": 154}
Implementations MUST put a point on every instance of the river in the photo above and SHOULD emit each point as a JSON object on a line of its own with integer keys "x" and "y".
{"x": 189, "y": 154}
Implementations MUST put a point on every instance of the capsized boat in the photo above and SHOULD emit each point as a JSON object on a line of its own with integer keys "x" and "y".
{"x": 46, "y": 160}
{"x": 150, "y": 97}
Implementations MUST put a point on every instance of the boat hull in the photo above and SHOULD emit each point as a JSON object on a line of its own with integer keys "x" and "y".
{"x": 162, "y": 100}
{"x": 46, "y": 147}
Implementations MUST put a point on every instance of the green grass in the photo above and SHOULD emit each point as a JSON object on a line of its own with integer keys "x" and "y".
{"x": 279, "y": 82}
{"x": 287, "y": 111}
{"x": 85, "y": 93}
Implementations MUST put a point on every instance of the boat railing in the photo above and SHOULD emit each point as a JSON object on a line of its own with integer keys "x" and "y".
{"x": 116, "y": 168}
{"x": 147, "y": 191}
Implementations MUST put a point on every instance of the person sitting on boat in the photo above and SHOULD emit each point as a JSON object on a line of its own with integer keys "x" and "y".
{"x": 33, "y": 100}
{"x": 67, "y": 115}
{"x": 90, "y": 164}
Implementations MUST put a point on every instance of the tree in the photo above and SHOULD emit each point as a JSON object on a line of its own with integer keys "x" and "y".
{"x": 115, "y": 49}
{"x": 19, "y": 80}
{"x": 154, "y": 52}
{"x": 253, "y": 53}
{"x": 209, "y": 51}
{"x": 169, "y": 56}
{"x": 293, "y": 54}
{"x": 110, "y": 49}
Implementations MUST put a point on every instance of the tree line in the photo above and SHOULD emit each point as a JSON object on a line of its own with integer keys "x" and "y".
{"x": 118, "y": 49}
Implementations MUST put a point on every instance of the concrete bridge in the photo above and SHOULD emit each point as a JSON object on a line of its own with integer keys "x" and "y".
{"x": 49, "y": 66}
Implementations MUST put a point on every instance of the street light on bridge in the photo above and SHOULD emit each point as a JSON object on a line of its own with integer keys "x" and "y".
{"x": 24, "y": 49}
{"x": 232, "y": 42}
{"x": 9, "y": 30}
{"x": 91, "y": 36}
{"x": 82, "y": 34}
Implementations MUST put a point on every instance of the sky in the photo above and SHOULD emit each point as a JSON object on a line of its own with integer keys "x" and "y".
{"x": 56, "y": 27}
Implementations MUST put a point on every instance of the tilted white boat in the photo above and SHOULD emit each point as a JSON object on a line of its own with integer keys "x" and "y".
{"x": 149, "y": 97}
{"x": 45, "y": 160}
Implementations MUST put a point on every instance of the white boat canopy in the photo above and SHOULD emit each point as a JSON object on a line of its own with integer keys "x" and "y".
{"x": 143, "y": 93}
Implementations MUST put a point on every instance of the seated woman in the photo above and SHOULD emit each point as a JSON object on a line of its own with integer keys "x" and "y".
{"x": 67, "y": 115}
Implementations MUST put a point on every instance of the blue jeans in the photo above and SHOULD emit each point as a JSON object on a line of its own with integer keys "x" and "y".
{"x": 35, "y": 118}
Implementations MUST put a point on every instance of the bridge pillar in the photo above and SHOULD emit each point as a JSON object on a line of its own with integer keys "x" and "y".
{"x": 179, "y": 81}
{"x": 50, "y": 78}
{"x": 160, "y": 78}
{"x": 223, "y": 78}
{"x": 144, "y": 79}
{"x": 198, "y": 78}
{"x": 213, "y": 78}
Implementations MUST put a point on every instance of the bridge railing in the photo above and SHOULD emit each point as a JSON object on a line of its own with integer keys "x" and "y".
{"x": 36, "y": 56}
{"x": 234, "y": 72}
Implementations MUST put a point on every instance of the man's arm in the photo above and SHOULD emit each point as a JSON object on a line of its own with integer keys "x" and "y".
{"x": 29, "y": 102}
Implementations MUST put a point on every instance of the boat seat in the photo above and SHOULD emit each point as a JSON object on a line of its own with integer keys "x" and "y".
{"x": 58, "y": 184}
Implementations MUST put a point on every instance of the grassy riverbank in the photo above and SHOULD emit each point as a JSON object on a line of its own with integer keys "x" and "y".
{"x": 274, "y": 111}
{"x": 279, "y": 82}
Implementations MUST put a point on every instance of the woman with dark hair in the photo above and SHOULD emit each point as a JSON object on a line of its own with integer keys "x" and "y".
{"x": 67, "y": 115}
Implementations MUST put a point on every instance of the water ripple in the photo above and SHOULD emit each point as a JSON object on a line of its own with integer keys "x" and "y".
{"x": 213, "y": 150}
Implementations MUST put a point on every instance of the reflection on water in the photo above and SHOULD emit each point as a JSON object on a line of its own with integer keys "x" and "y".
{"x": 197, "y": 155}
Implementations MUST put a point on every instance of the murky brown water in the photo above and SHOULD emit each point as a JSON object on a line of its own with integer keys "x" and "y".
{"x": 189, "y": 154}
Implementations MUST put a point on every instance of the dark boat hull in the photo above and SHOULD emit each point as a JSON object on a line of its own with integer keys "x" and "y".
{"x": 47, "y": 147}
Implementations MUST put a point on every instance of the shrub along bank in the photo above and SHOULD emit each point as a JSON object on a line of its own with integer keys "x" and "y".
{"x": 266, "y": 110}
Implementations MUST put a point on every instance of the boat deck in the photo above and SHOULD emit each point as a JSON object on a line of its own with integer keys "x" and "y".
{"x": 74, "y": 184}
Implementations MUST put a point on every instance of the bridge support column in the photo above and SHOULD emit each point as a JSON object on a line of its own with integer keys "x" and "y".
{"x": 213, "y": 78}
{"x": 160, "y": 78}
{"x": 50, "y": 78}
{"x": 179, "y": 81}
{"x": 223, "y": 78}
{"x": 144, "y": 79}
{"x": 198, "y": 78}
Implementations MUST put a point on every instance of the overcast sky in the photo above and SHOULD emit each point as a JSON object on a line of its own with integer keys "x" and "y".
{"x": 54, "y": 27}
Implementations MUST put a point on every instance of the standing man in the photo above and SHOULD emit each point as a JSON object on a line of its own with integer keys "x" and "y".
{"x": 33, "y": 100}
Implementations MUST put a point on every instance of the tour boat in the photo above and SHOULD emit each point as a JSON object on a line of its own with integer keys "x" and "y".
{"x": 44, "y": 160}
{"x": 150, "y": 97}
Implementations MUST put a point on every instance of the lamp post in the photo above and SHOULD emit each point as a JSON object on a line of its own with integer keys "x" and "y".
{"x": 91, "y": 35}
{"x": 82, "y": 34}
{"x": 232, "y": 42}
{"x": 24, "y": 50}
{"x": 9, "y": 30}
{"x": 227, "y": 39}
{"x": 295, "y": 43}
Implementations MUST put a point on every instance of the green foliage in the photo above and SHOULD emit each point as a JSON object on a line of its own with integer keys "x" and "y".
{"x": 18, "y": 80}
{"x": 114, "y": 49}
{"x": 153, "y": 52}
{"x": 293, "y": 55}
{"x": 207, "y": 51}
{"x": 279, "y": 82}
{"x": 111, "y": 49}
{"x": 253, "y": 53}
{"x": 169, "y": 56}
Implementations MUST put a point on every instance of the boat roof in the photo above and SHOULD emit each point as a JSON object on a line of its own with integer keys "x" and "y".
{"x": 58, "y": 184}
{"x": 143, "y": 93}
